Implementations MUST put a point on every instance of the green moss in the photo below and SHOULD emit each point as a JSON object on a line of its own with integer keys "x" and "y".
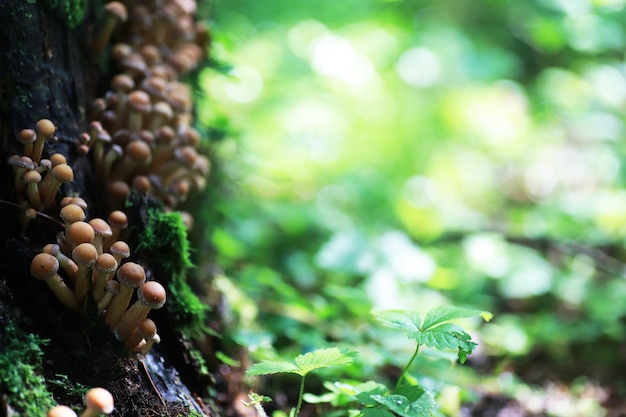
{"x": 20, "y": 372}
{"x": 164, "y": 240}
{"x": 71, "y": 11}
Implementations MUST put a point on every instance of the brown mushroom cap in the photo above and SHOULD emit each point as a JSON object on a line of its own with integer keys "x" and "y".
{"x": 117, "y": 9}
{"x": 106, "y": 263}
{"x": 63, "y": 173}
{"x": 152, "y": 294}
{"x": 131, "y": 275}
{"x": 72, "y": 213}
{"x": 120, "y": 250}
{"x": 100, "y": 227}
{"x": 100, "y": 400}
{"x": 118, "y": 219}
{"x": 31, "y": 176}
{"x": 79, "y": 232}
{"x": 45, "y": 128}
{"x": 85, "y": 254}
{"x": 58, "y": 159}
{"x": 44, "y": 266}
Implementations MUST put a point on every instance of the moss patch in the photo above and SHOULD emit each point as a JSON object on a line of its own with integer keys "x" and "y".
{"x": 164, "y": 240}
{"x": 71, "y": 11}
{"x": 20, "y": 372}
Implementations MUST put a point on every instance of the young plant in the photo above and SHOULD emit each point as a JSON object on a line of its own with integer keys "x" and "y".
{"x": 303, "y": 365}
{"x": 434, "y": 331}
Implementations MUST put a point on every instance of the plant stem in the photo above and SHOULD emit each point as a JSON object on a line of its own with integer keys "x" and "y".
{"x": 300, "y": 396}
{"x": 408, "y": 365}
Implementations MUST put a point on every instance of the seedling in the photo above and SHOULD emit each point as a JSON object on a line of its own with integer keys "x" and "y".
{"x": 303, "y": 365}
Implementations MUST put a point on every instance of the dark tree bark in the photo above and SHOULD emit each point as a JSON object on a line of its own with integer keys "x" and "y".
{"x": 47, "y": 71}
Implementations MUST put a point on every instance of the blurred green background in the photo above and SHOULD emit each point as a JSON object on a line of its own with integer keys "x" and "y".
{"x": 408, "y": 154}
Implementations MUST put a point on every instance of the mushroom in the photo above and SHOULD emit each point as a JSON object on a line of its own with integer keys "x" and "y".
{"x": 101, "y": 230}
{"x": 61, "y": 411}
{"x": 145, "y": 345}
{"x": 137, "y": 155}
{"x": 72, "y": 213}
{"x": 120, "y": 250}
{"x": 27, "y": 138}
{"x": 144, "y": 329}
{"x": 130, "y": 276}
{"x": 68, "y": 265}
{"x": 20, "y": 164}
{"x": 45, "y": 130}
{"x": 103, "y": 270}
{"x": 115, "y": 12}
{"x": 77, "y": 233}
{"x": 45, "y": 267}
{"x": 112, "y": 287}
{"x": 28, "y": 216}
{"x": 98, "y": 401}
{"x": 138, "y": 105}
{"x": 150, "y": 296}
{"x": 60, "y": 174}
{"x": 31, "y": 179}
{"x": 118, "y": 221}
{"x": 85, "y": 255}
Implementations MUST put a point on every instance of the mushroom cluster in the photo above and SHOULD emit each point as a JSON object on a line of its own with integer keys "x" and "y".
{"x": 37, "y": 180}
{"x": 89, "y": 260}
{"x": 98, "y": 401}
{"x": 140, "y": 135}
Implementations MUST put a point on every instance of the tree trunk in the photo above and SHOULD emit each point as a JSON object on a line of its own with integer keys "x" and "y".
{"x": 47, "y": 71}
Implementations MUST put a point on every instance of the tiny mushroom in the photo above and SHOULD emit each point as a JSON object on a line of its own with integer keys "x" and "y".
{"x": 130, "y": 276}
{"x": 101, "y": 230}
{"x": 45, "y": 130}
{"x": 85, "y": 255}
{"x": 118, "y": 221}
{"x": 31, "y": 179}
{"x": 79, "y": 232}
{"x": 112, "y": 287}
{"x": 68, "y": 265}
{"x": 60, "y": 174}
{"x": 120, "y": 250}
{"x": 72, "y": 213}
{"x": 61, "y": 411}
{"x": 115, "y": 12}
{"x": 45, "y": 267}
{"x": 145, "y": 329}
{"x": 150, "y": 296}
{"x": 27, "y": 138}
{"x": 98, "y": 401}
{"x": 103, "y": 270}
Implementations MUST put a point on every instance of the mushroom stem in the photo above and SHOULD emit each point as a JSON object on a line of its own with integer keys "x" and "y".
{"x": 116, "y": 12}
{"x": 44, "y": 267}
{"x": 150, "y": 296}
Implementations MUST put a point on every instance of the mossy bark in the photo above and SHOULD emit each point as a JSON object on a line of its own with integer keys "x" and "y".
{"x": 47, "y": 71}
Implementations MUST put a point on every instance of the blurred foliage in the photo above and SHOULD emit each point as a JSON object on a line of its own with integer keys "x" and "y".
{"x": 411, "y": 154}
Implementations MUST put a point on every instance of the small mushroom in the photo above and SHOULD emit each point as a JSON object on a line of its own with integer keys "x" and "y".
{"x": 60, "y": 174}
{"x": 68, "y": 265}
{"x": 103, "y": 270}
{"x": 77, "y": 233}
{"x": 137, "y": 155}
{"x": 72, "y": 213}
{"x": 61, "y": 411}
{"x": 27, "y": 138}
{"x": 85, "y": 255}
{"x": 120, "y": 250}
{"x": 102, "y": 230}
{"x": 45, "y": 130}
{"x": 145, "y": 329}
{"x": 130, "y": 276}
{"x": 28, "y": 216}
{"x": 31, "y": 179}
{"x": 115, "y": 12}
{"x": 150, "y": 296}
{"x": 112, "y": 287}
{"x": 45, "y": 267}
{"x": 118, "y": 221}
{"x": 98, "y": 401}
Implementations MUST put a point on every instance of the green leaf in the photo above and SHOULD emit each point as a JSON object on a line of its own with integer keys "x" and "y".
{"x": 442, "y": 314}
{"x": 401, "y": 405}
{"x": 271, "y": 367}
{"x": 399, "y": 319}
{"x": 446, "y": 336}
{"x": 366, "y": 390}
{"x": 376, "y": 412}
{"x": 322, "y": 358}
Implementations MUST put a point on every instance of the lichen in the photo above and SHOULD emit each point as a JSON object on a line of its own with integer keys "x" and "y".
{"x": 20, "y": 372}
{"x": 164, "y": 240}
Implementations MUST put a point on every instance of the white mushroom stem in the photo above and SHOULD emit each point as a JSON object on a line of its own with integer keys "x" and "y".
{"x": 98, "y": 401}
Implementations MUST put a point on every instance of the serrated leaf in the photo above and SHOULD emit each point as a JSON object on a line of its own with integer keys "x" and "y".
{"x": 399, "y": 319}
{"x": 442, "y": 314}
{"x": 321, "y": 358}
{"x": 401, "y": 405}
{"x": 447, "y": 336}
{"x": 272, "y": 367}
